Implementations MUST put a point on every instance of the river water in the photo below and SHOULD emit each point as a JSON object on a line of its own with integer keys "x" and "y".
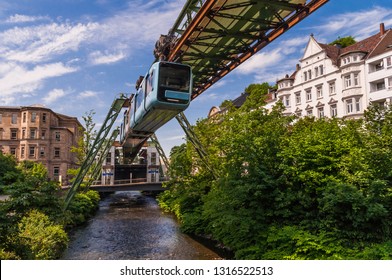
{"x": 131, "y": 226}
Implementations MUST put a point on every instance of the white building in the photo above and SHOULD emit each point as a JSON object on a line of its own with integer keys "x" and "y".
{"x": 332, "y": 81}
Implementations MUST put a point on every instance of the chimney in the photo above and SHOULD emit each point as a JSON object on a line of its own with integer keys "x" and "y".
{"x": 382, "y": 29}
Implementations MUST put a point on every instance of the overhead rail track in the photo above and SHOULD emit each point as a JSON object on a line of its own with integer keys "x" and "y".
{"x": 216, "y": 36}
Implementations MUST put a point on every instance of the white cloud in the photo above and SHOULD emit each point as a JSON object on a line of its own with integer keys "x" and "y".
{"x": 54, "y": 95}
{"x": 17, "y": 18}
{"x": 261, "y": 61}
{"x": 98, "y": 57}
{"x": 360, "y": 25}
{"x": 15, "y": 78}
{"x": 43, "y": 42}
{"x": 87, "y": 94}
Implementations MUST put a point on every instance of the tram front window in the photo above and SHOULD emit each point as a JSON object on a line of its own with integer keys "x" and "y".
{"x": 173, "y": 77}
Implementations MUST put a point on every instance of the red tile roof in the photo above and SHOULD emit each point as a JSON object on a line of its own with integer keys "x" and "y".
{"x": 367, "y": 46}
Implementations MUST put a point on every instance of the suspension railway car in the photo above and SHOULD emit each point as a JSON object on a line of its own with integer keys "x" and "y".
{"x": 163, "y": 92}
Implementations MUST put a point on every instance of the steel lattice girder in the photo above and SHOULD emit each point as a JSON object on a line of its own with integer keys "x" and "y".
{"x": 225, "y": 33}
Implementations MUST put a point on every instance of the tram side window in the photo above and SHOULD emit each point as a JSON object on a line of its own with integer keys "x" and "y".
{"x": 149, "y": 83}
{"x": 139, "y": 99}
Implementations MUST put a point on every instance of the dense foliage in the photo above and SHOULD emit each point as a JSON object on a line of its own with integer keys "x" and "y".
{"x": 32, "y": 221}
{"x": 288, "y": 188}
{"x": 344, "y": 42}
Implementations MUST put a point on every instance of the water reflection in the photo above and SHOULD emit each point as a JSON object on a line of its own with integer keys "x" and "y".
{"x": 129, "y": 225}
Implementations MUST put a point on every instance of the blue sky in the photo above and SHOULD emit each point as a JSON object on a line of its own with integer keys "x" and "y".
{"x": 74, "y": 56}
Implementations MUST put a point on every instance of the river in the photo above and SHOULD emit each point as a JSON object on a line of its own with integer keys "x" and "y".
{"x": 131, "y": 226}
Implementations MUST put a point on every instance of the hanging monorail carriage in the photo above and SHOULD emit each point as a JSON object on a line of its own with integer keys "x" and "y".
{"x": 164, "y": 92}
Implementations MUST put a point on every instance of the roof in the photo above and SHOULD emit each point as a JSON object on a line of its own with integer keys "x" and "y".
{"x": 240, "y": 100}
{"x": 372, "y": 46}
{"x": 384, "y": 45}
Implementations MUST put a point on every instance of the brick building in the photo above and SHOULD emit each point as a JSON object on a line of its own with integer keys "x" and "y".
{"x": 38, "y": 134}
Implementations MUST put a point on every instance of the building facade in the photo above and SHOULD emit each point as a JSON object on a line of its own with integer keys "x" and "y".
{"x": 331, "y": 81}
{"x": 38, "y": 134}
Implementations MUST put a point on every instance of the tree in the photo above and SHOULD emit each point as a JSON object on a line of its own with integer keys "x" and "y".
{"x": 34, "y": 190}
{"x": 84, "y": 143}
{"x": 8, "y": 170}
{"x": 344, "y": 42}
{"x": 256, "y": 98}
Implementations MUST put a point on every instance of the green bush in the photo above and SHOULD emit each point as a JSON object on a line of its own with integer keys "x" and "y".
{"x": 5, "y": 255}
{"x": 82, "y": 207}
{"x": 39, "y": 238}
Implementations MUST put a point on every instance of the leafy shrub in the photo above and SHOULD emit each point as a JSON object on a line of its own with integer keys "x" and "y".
{"x": 40, "y": 238}
{"x": 5, "y": 255}
{"x": 82, "y": 206}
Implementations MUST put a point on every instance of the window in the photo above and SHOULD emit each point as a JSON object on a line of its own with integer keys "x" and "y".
{"x": 33, "y": 117}
{"x": 23, "y": 133}
{"x": 358, "y": 105}
{"x": 379, "y": 66}
{"x": 42, "y": 151}
{"x": 308, "y": 95}
{"x": 319, "y": 90}
{"x": 56, "y": 171}
{"x": 305, "y": 76}
{"x": 310, "y": 74}
{"x": 334, "y": 110}
{"x": 389, "y": 61}
{"x": 287, "y": 101}
{"x": 56, "y": 152}
{"x": 390, "y": 83}
{"x": 22, "y": 151}
{"x": 321, "y": 70}
{"x": 1, "y": 118}
{"x": 14, "y": 134}
{"x": 321, "y": 112}
{"x": 13, "y": 151}
{"x": 32, "y": 133}
{"x": 332, "y": 88}
{"x": 14, "y": 118}
{"x": 309, "y": 112}
{"x": 356, "y": 79}
{"x": 24, "y": 117}
{"x": 109, "y": 158}
{"x": 57, "y": 136}
{"x": 31, "y": 151}
{"x": 298, "y": 98}
{"x": 316, "y": 72}
{"x": 349, "y": 106}
{"x": 347, "y": 81}
{"x": 43, "y": 134}
{"x": 44, "y": 117}
{"x": 377, "y": 85}
{"x": 153, "y": 158}
{"x": 380, "y": 85}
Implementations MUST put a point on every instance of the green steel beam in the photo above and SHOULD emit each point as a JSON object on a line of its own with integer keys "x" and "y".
{"x": 161, "y": 152}
{"x": 94, "y": 150}
{"x": 192, "y": 137}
